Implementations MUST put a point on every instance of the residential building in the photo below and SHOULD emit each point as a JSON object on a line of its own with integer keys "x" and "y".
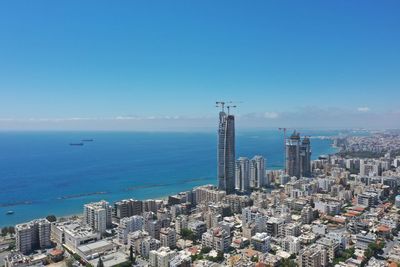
{"x": 98, "y": 215}
{"x": 32, "y": 235}
{"x": 181, "y": 222}
{"x": 198, "y": 228}
{"x": 363, "y": 240}
{"x": 312, "y": 256}
{"x": 208, "y": 193}
{"x": 161, "y": 257}
{"x": 217, "y": 239}
{"x": 257, "y": 172}
{"x": 237, "y": 203}
{"x": 261, "y": 242}
{"x": 292, "y": 229}
{"x": 275, "y": 227}
{"x": 331, "y": 246}
{"x": 242, "y": 174}
{"x": 128, "y": 225}
{"x": 153, "y": 227}
{"x": 291, "y": 244}
{"x": 168, "y": 237}
{"x": 127, "y": 208}
{"x": 307, "y": 215}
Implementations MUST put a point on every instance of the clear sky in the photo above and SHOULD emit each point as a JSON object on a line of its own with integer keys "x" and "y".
{"x": 161, "y": 65}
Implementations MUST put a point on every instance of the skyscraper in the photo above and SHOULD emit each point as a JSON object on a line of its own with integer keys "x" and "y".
{"x": 293, "y": 155}
{"x": 298, "y": 156}
{"x": 257, "y": 172}
{"x": 305, "y": 157}
{"x": 226, "y": 153}
{"x": 242, "y": 174}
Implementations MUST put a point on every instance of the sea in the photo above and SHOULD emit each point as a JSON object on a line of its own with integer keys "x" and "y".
{"x": 42, "y": 174}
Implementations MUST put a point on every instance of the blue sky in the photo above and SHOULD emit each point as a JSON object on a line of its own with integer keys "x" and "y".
{"x": 142, "y": 65}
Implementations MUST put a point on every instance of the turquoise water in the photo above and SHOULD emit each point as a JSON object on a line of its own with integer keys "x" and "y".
{"x": 41, "y": 174}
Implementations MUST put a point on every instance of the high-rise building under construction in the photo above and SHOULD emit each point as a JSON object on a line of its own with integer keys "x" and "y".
{"x": 298, "y": 156}
{"x": 226, "y": 153}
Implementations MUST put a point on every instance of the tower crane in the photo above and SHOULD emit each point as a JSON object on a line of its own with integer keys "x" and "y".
{"x": 220, "y": 104}
{"x": 229, "y": 107}
{"x": 228, "y": 104}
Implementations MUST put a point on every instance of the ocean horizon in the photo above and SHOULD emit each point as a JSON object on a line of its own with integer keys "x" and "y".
{"x": 42, "y": 174}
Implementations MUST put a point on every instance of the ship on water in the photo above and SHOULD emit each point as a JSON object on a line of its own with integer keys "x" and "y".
{"x": 10, "y": 212}
{"x": 87, "y": 140}
{"x": 76, "y": 144}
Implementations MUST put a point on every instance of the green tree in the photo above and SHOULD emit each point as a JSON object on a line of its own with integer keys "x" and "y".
{"x": 51, "y": 218}
{"x": 288, "y": 263}
{"x": 196, "y": 257}
{"x": 124, "y": 264}
{"x": 373, "y": 250}
{"x": 4, "y": 231}
{"x": 205, "y": 250}
{"x": 187, "y": 234}
{"x": 11, "y": 229}
{"x": 69, "y": 262}
{"x": 11, "y": 246}
{"x": 76, "y": 256}
{"x": 220, "y": 256}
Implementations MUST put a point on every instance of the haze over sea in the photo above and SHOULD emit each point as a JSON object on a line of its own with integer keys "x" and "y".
{"x": 41, "y": 174}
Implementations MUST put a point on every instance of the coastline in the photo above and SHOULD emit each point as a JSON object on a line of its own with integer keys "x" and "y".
{"x": 67, "y": 216}
{"x": 139, "y": 166}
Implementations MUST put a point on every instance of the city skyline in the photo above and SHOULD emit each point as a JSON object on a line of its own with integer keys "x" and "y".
{"x": 193, "y": 134}
{"x": 141, "y": 67}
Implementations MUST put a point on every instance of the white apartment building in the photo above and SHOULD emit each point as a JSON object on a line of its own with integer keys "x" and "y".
{"x": 168, "y": 237}
{"x": 217, "y": 239}
{"x": 242, "y": 174}
{"x": 181, "y": 222}
{"x": 208, "y": 193}
{"x": 291, "y": 244}
{"x": 98, "y": 215}
{"x": 312, "y": 256}
{"x": 261, "y": 242}
{"x": 257, "y": 172}
{"x": 161, "y": 257}
{"x": 128, "y": 225}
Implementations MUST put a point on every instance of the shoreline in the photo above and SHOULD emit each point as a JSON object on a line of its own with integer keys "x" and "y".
{"x": 127, "y": 176}
{"x": 80, "y": 214}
